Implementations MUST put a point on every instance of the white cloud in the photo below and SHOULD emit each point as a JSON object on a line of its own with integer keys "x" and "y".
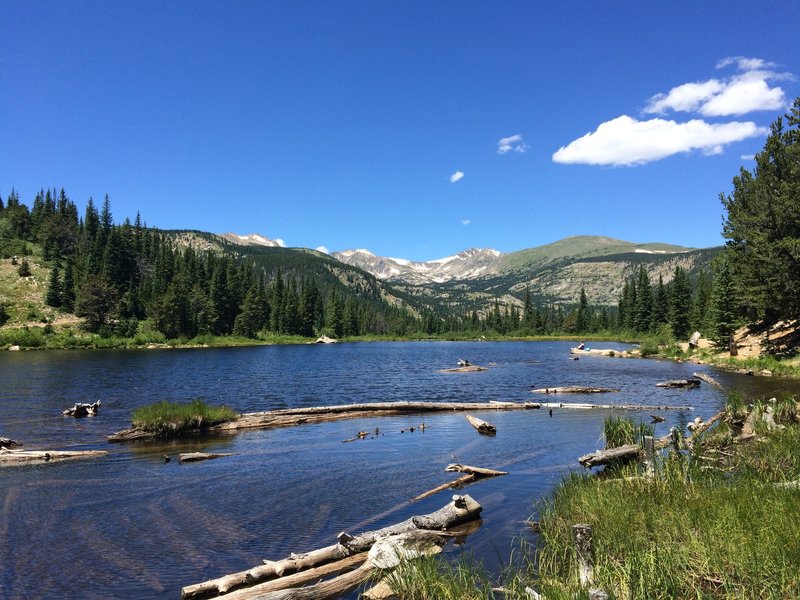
{"x": 745, "y": 64}
{"x": 512, "y": 142}
{"x": 745, "y": 92}
{"x": 323, "y": 249}
{"x": 748, "y": 157}
{"x": 627, "y": 141}
{"x": 457, "y": 176}
{"x": 466, "y": 221}
{"x": 280, "y": 242}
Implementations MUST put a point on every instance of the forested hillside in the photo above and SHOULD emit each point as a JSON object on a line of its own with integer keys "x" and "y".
{"x": 117, "y": 276}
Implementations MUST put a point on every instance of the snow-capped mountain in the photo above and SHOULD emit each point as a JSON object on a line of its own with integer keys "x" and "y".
{"x": 468, "y": 264}
{"x": 253, "y": 239}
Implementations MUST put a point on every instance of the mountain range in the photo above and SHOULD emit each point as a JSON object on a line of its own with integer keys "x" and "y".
{"x": 474, "y": 278}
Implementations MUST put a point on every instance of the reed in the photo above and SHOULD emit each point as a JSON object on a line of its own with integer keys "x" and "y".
{"x": 171, "y": 419}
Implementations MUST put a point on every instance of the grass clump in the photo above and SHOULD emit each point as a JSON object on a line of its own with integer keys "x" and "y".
{"x": 171, "y": 419}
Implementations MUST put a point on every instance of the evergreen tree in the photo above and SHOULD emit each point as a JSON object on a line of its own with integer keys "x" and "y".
{"x": 24, "y": 269}
{"x": 701, "y": 304}
{"x": 582, "y": 317}
{"x": 680, "y": 304}
{"x": 660, "y": 305}
{"x": 762, "y": 225}
{"x": 68, "y": 287}
{"x": 55, "y": 292}
{"x": 643, "y": 308}
{"x": 723, "y": 303}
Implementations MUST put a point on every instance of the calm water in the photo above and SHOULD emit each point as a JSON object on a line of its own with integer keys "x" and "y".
{"x": 128, "y": 525}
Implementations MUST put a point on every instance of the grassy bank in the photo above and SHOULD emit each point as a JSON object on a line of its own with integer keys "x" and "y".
{"x": 713, "y": 523}
{"x": 170, "y": 419}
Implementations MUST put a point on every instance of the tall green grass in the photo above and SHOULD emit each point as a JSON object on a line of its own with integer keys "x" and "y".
{"x": 170, "y": 419}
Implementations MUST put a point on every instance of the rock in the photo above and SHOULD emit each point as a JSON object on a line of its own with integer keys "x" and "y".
{"x": 13, "y": 348}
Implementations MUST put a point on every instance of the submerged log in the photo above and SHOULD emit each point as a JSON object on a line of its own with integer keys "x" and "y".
{"x": 20, "y": 457}
{"x": 574, "y": 390}
{"x": 83, "y": 409}
{"x": 288, "y": 417}
{"x": 461, "y": 510}
{"x": 481, "y": 426}
{"x": 198, "y": 456}
{"x": 464, "y": 369}
{"x": 680, "y": 383}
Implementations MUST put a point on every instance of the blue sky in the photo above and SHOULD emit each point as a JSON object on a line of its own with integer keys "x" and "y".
{"x": 413, "y": 129}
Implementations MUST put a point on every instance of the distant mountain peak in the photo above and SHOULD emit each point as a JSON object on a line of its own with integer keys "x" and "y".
{"x": 470, "y": 263}
{"x": 251, "y": 239}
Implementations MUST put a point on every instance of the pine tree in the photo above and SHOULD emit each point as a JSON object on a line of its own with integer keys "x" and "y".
{"x": 680, "y": 304}
{"x": 723, "y": 303}
{"x": 24, "y": 269}
{"x": 660, "y": 305}
{"x": 643, "y": 308}
{"x": 55, "y": 292}
{"x": 582, "y": 317}
{"x": 68, "y": 287}
{"x": 762, "y": 226}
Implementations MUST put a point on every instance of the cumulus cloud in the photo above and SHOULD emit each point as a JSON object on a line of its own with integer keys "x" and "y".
{"x": 457, "y": 176}
{"x": 747, "y": 91}
{"x": 512, "y": 142}
{"x": 280, "y": 242}
{"x": 627, "y": 141}
{"x": 323, "y": 249}
{"x": 466, "y": 221}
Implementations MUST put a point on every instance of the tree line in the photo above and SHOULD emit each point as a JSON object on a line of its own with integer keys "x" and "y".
{"x": 117, "y": 276}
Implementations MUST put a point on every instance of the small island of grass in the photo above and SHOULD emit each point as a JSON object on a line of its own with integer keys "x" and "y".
{"x": 172, "y": 419}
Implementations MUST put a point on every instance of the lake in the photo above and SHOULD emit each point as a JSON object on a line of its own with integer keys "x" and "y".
{"x": 129, "y": 525}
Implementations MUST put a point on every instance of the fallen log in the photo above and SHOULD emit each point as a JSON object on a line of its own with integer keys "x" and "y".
{"x": 708, "y": 379}
{"x": 605, "y": 352}
{"x": 657, "y": 419}
{"x": 574, "y": 390}
{"x": 472, "y": 474}
{"x": 9, "y": 443}
{"x": 481, "y": 426}
{"x": 464, "y": 369}
{"x": 461, "y": 510}
{"x": 82, "y": 409}
{"x": 586, "y": 406}
{"x": 198, "y": 456}
{"x": 20, "y": 457}
{"x": 602, "y": 457}
{"x": 289, "y": 417}
{"x": 680, "y": 383}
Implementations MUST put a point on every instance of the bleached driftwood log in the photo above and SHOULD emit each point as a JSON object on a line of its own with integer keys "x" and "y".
{"x": 587, "y": 406}
{"x": 625, "y": 452}
{"x": 481, "y": 426}
{"x": 83, "y": 409}
{"x": 19, "y": 457}
{"x": 461, "y": 510}
{"x": 708, "y": 379}
{"x": 574, "y": 390}
{"x": 289, "y": 417}
{"x": 471, "y": 474}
